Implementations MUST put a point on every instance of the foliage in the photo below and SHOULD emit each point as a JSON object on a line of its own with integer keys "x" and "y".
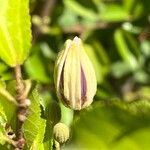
{"x": 116, "y": 38}
{"x": 15, "y": 36}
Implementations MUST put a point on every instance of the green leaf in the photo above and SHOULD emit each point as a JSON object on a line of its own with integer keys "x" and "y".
{"x": 145, "y": 47}
{"x": 15, "y": 32}
{"x": 119, "y": 69}
{"x": 114, "y": 125}
{"x": 100, "y": 52}
{"x": 3, "y": 120}
{"x": 7, "y": 100}
{"x": 128, "y": 5}
{"x": 34, "y": 126}
{"x": 5, "y": 93}
{"x": 133, "y": 44}
{"x": 114, "y": 13}
{"x": 123, "y": 49}
{"x": 4, "y": 139}
{"x": 48, "y": 139}
{"x": 68, "y": 18}
{"x": 35, "y": 68}
{"x": 81, "y": 10}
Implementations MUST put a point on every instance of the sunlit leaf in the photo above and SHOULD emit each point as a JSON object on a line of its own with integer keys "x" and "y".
{"x": 3, "y": 120}
{"x": 34, "y": 126}
{"x": 15, "y": 32}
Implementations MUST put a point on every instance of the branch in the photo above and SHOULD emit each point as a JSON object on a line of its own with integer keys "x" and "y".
{"x": 23, "y": 104}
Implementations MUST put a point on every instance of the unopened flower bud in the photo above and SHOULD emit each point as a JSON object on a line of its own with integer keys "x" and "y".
{"x": 61, "y": 132}
{"x": 74, "y": 75}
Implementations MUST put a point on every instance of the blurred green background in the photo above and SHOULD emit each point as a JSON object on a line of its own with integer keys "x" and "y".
{"x": 116, "y": 37}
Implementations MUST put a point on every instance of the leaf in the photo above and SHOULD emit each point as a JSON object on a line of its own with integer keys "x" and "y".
{"x": 81, "y": 10}
{"x": 119, "y": 14}
{"x": 119, "y": 69}
{"x": 15, "y": 32}
{"x": 3, "y": 120}
{"x": 6, "y": 94}
{"x": 3, "y": 67}
{"x": 48, "y": 139}
{"x": 133, "y": 44}
{"x": 128, "y": 5}
{"x": 52, "y": 113}
{"x": 68, "y": 18}
{"x": 34, "y": 126}
{"x": 5, "y": 73}
{"x": 145, "y": 47}
{"x": 4, "y": 139}
{"x": 7, "y": 100}
{"x": 35, "y": 68}
{"x": 123, "y": 49}
{"x": 101, "y": 52}
{"x": 114, "y": 125}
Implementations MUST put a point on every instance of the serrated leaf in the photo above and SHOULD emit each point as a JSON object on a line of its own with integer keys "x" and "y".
{"x": 34, "y": 126}
{"x": 3, "y": 120}
{"x": 15, "y": 32}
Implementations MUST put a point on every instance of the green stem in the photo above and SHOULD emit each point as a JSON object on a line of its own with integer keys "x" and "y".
{"x": 66, "y": 115}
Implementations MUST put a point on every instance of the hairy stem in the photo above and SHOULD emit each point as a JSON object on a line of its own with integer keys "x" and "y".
{"x": 22, "y": 107}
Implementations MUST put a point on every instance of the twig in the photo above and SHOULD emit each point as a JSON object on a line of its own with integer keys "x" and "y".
{"x": 22, "y": 107}
{"x": 80, "y": 28}
{"x": 43, "y": 9}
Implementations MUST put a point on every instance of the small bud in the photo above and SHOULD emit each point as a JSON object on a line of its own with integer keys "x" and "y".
{"x": 27, "y": 102}
{"x": 36, "y": 20}
{"x": 22, "y": 117}
{"x": 74, "y": 75}
{"x": 61, "y": 132}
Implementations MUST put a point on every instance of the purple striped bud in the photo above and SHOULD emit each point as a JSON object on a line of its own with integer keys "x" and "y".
{"x": 74, "y": 75}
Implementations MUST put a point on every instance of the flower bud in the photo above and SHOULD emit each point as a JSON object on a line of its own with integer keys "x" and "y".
{"x": 61, "y": 132}
{"x": 74, "y": 75}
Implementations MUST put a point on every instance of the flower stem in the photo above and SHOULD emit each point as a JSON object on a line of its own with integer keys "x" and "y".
{"x": 66, "y": 115}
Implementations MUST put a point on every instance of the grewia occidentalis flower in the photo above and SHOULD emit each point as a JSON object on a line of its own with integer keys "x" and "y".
{"x": 74, "y": 75}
